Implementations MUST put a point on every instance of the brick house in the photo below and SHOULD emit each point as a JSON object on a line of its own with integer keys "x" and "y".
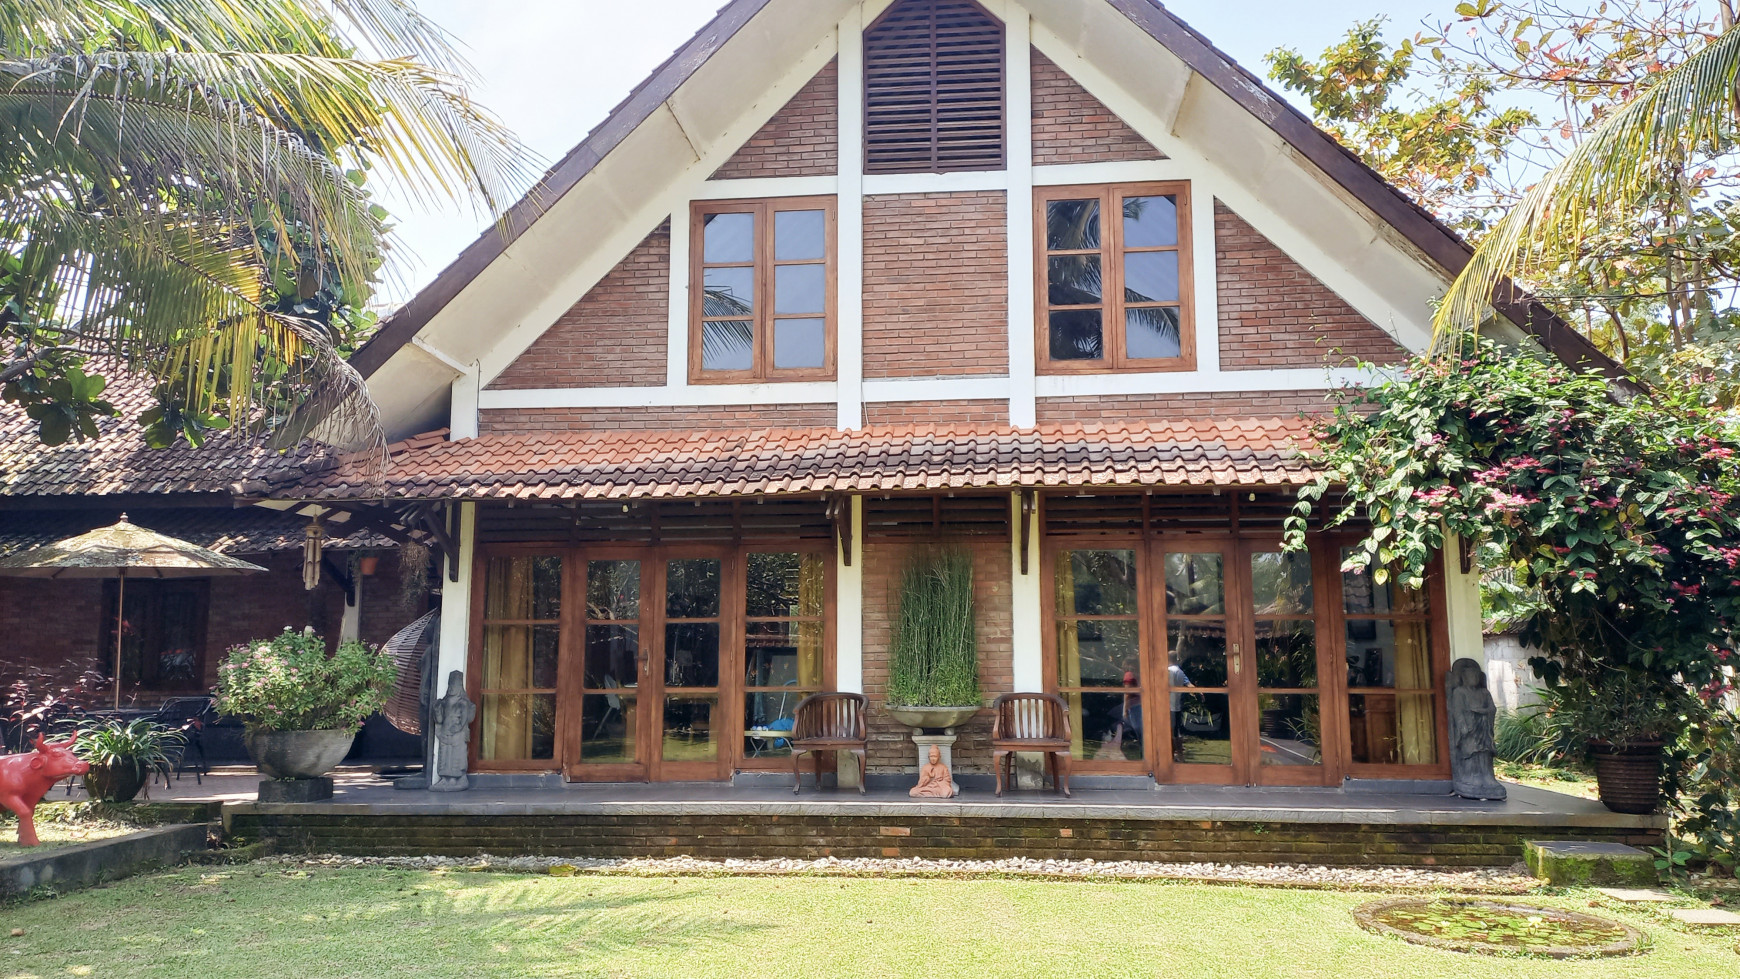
{"x": 1050, "y": 281}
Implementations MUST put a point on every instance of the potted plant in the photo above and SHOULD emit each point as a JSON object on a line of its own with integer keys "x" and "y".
{"x": 302, "y": 708}
{"x": 1625, "y": 719}
{"x": 122, "y": 756}
{"x": 933, "y": 673}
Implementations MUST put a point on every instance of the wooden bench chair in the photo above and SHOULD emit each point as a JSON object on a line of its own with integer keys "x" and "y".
{"x": 828, "y": 722}
{"x": 1030, "y": 722}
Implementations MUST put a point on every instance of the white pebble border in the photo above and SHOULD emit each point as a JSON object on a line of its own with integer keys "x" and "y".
{"x": 1512, "y": 880}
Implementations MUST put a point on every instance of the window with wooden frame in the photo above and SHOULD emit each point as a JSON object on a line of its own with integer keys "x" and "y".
{"x": 933, "y": 89}
{"x": 762, "y": 290}
{"x": 1394, "y": 683}
{"x": 521, "y": 637}
{"x": 1114, "y": 274}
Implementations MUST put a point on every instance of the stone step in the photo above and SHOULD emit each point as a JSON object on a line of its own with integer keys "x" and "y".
{"x": 1705, "y": 917}
{"x": 1566, "y": 863}
{"x": 1636, "y": 896}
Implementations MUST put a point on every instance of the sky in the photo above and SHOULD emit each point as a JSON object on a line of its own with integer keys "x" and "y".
{"x": 552, "y": 69}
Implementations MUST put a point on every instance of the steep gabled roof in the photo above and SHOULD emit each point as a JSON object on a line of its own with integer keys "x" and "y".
{"x": 1418, "y": 227}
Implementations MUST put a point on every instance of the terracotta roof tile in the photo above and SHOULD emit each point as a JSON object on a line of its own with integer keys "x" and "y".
{"x": 633, "y": 465}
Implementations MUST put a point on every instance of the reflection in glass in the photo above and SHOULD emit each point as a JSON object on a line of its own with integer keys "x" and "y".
{"x": 1195, "y": 584}
{"x": 728, "y": 292}
{"x": 784, "y": 583}
{"x": 611, "y": 657}
{"x": 1153, "y": 333}
{"x": 1151, "y": 277}
{"x": 1076, "y": 335}
{"x": 1097, "y": 583}
{"x": 728, "y": 345}
{"x": 1382, "y": 653}
{"x": 613, "y": 589}
{"x": 780, "y": 654}
{"x": 1106, "y": 726}
{"x": 517, "y": 657}
{"x": 728, "y": 238}
{"x": 1392, "y": 729}
{"x": 518, "y": 726}
{"x": 800, "y": 289}
{"x": 800, "y": 343}
{"x": 607, "y": 728}
{"x": 1073, "y": 280}
{"x": 523, "y": 588}
{"x": 1361, "y": 595}
{"x": 1289, "y": 729}
{"x": 689, "y": 733}
{"x": 692, "y": 588}
{"x": 1072, "y": 224}
{"x": 692, "y": 654}
{"x": 799, "y": 235}
{"x": 1198, "y": 649}
{"x": 1150, "y": 222}
{"x": 768, "y": 719}
{"x": 1201, "y": 732}
{"x": 1099, "y": 653}
{"x": 1286, "y": 653}
{"x": 1281, "y": 583}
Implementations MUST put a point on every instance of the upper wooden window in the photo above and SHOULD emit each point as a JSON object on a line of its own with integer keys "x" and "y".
{"x": 762, "y": 290}
{"x": 1113, "y": 267}
{"x": 933, "y": 89}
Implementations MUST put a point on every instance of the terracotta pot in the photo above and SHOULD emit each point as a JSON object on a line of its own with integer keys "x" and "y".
{"x": 1628, "y": 777}
{"x": 119, "y": 782}
{"x": 298, "y": 754}
{"x": 369, "y": 565}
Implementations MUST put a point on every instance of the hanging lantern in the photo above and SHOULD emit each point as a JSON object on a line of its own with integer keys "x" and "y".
{"x": 313, "y": 537}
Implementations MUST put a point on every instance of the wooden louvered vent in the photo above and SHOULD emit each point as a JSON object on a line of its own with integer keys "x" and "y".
{"x": 933, "y": 89}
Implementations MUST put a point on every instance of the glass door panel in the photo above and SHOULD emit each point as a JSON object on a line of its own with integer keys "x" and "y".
{"x": 1204, "y": 665}
{"x": 522, "y": 634}
{"x": 1288, "y": 714}
{"x": 612, "y": 660}
{"x": 783, "y": 658}
{"x": 1099, "y": 655}
{"x": 687, "y": 668}
{"x": 1391, "y": 685}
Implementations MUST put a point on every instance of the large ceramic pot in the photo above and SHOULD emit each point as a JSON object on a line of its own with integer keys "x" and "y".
{"x": 1628, "y": 777}
{"x": 932, "y": 717}
{"x": 298, "y": 754}
{"x": 118, "y": 782}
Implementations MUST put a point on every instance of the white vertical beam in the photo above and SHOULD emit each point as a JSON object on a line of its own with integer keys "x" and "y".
{"x": 462, "y": 413}
{"x": 1462, "y": 605}
{"x": 849, "y": 610}
{"x": 1018, "y": 125}
{"x": 850, "y": 208}
{"x": 1026, "y": 592}
{"x": 456, "y": 604}
{"x": 1206, "y": 284}
{"x": 677, "y": 329}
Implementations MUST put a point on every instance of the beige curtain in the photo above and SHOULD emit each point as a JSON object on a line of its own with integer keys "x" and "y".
{"x": 812, "y": 598}
{"x": 507, "y": 660}
{"x": 1069, "y": 648}
{"x": 1415, "y": 728}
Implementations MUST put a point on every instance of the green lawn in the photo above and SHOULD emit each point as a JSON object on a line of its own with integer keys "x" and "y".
{"x": 57, "y": 834}
{"x": 268, "y": 920}
{"x": 1569, "y": 780}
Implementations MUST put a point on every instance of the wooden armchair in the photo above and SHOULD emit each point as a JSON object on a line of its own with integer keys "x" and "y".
{"x": 1031, "y": 722}
{"x": 828, "y": 722}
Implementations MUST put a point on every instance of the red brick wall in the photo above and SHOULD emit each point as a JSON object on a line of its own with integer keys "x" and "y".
{"x": 385, "y": 607}
{"x": 1071, "y": 126}
{"x": 1273, "y": 313}
{"x": 65, "y": 642}
{"x": 979, "y": 412}
{"x": 936, "y": 284}
{"x": 1141, "y": 408}
{"x": 891, "y": 748}
{"x": 508, "y": 421}
{"x": 801, "y": 140}
{"x": 614, "y": 336}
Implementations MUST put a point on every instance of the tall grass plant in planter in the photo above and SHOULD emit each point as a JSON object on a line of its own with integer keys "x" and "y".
{"x": 935, "y": 659}
{"x": 301, "y": 706}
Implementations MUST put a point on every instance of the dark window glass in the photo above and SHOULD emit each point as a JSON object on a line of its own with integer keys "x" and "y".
{"x": 1195, "y": 584}
{"x": 613, "y": 589}
{"x": 692, "y": 588}
{"x": 612, "y": 657}
{"x": 1074, "y": 280}
{"x": 1077, "y": 334}
{"x": 1072, "y": 225}
{"x": 1099, "y": 583}
{"x": 692, "y": 654}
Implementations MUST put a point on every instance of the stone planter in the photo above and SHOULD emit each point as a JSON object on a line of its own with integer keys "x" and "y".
{"x": 919, "y": 718}
{"x": 1628, "y": 777}
{"x": 298, "y": 754}
{"x": 119, "y": 782}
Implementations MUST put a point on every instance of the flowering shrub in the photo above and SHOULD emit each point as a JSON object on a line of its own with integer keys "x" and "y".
{"x": 1619, "y": 515}
{"x": 289, "y": 683}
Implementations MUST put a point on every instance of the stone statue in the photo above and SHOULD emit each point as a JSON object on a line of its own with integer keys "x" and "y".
{"x": 1472, "y": 718}
{"x": 934, "y": 780}
{"x": 452, "y": 715}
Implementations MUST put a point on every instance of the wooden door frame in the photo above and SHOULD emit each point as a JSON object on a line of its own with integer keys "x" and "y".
{"x": 653, "y": 672}
{"x": 1167, "y": 771}
{"x": 571, "y": 671}
{"x": 1325, "y": 596}
{"x": 1048, "y": 552}
{"x": 481, "y": 557}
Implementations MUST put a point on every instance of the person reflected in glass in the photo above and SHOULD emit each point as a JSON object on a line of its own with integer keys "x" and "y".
{"x": 1176, "y": 677}
{"x": 1129, "y": 720}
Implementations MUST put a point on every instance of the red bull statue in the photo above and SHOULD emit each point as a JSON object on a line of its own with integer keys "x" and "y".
{"x": 25, "y": 779}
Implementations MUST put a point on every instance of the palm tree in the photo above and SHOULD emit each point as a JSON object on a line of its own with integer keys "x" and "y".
{"x": 1633, "y": 160}
{"x": 176, "y": 174}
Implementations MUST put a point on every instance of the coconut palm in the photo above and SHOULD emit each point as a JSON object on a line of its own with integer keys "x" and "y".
{"x": 172, "y": 170}
{"x": 1632, "y": 161}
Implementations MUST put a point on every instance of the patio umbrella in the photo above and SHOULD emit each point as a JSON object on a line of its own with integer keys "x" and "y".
{"x": 122, "y": 551}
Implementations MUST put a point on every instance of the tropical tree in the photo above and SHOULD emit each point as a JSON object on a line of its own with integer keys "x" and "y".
{"x": 183, "y": 194}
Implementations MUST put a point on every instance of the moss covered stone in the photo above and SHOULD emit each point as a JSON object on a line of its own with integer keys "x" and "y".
{"x": 1573, "y": 863}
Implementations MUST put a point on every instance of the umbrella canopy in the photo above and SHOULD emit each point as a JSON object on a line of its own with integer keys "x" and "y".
{"x": 122, "y": 550}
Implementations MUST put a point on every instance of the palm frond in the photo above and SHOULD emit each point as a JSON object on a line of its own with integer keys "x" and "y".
{"x": 1688, "y": 113}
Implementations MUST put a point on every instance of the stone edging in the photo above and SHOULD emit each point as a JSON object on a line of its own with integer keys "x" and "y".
{"x": 1631, "y": 944}
{"x": 83, "y": 864}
